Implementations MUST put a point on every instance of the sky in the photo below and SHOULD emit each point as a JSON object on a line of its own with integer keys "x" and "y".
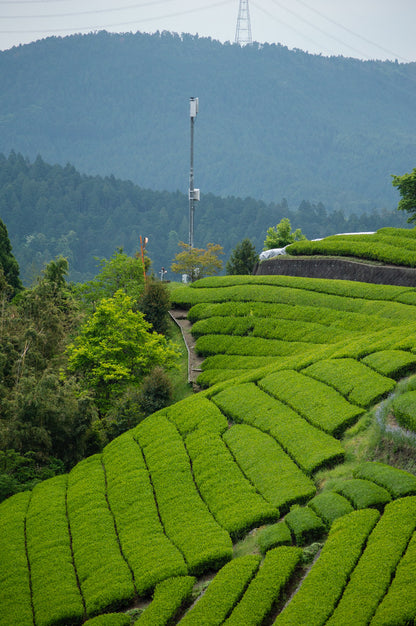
{"x": 364, "y": 29}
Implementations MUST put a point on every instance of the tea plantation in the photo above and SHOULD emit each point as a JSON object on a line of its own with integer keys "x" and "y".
{"x": 206, "y": 512}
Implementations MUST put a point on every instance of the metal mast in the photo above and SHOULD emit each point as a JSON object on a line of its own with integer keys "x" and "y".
{"x": 193, "y": 193}
{"x": 243, "y": 28}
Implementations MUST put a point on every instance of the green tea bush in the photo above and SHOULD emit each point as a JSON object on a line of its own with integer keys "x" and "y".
{"x": 232, "y": 499}
{"x": 399, "y": 604}
{"x": 224, "y": 361}
{"x": 371, "y": 578}
{"x": 329, "y": 506}
{"x": 212, "y": 377}
{"x": 223, "y": 326}
{"x": 195, "y": 412}
{"x": 396, "y": 481}
{"x": 321, "y": 405}
{"x": 304, "y": 525}
{"x": 273, "y": 536}
{"x": 170, "y": 597}
{"x": 392, "y": 363}
{"x": 330, "y": 573}
{"x": 223, "y": 593}
{"x": 268, "y": 467}
{"x": 404, "y": 407}
{"x": 15, "y": 595}
{"x": 363, "y": 494}
{"x": 266, "y": 588}
{"x": 56, "y": 596}
{"x": 185, "y": 517}
{"x": 247, "y": 346}
{"x": 308, "y": 446}
{"x": 354, "y": 380}
{"x": 151, "y": 555}
{"x": 105, "y": 578}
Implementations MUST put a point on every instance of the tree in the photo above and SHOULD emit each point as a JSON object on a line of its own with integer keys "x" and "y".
{"x": 9, "y": 267}
{"x": 155, "y": 304}
{"x": 197, "y": 262}
{"x": 243, "y": 258}
{"x": 406, "y": 185}
{"x": 116, "y": 348}
{"x": 119, "y": 272}
{"x": 282, "y": 235}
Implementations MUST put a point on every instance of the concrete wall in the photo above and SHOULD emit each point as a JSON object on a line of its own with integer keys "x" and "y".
{"x": 338, "y": 269}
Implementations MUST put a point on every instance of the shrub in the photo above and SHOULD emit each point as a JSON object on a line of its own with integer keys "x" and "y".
{"x": 223, "y": 593}
{"x": 308, "y": 446}
{"x": 273, "y": 536}
{"x": 393, "y": 363}
{"x": 330, "y": 572}
{"x": 329, "y": 506}
{"x": 371, "y": 578}
{"x": 404, "y": 407}
{"x": 321, "y": 405}
{"x": 304, "y": 525}
{"x": 169, "y": 598}
{"x": 109, "y": 619}
{"x": 233, "y": 500}
{"x": 396, "y": 481}
{"x": 155, "y": 391}
{"x": 363, "y": 494}
{"x": 269, "y": 468}
{"x": 266, "y": 588}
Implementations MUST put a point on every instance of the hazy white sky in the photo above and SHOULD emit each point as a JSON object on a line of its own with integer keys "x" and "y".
{"x": 366, "y": 29}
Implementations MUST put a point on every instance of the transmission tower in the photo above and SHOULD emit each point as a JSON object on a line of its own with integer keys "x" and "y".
{"x": 243, "y": 28}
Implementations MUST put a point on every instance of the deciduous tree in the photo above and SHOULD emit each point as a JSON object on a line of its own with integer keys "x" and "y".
{"x": 281, "y": 235}
{"x": 198, "y": 262}
{"x": 406, "y": 185}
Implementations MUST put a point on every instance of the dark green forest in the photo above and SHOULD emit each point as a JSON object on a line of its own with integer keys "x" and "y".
{"x": 273, "y": 123}
{"x": 53, "y": 210}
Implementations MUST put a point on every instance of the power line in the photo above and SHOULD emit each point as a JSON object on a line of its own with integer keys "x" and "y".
{"x": 91, "y": 12}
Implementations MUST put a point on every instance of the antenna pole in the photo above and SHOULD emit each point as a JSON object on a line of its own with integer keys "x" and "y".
{"x": 243, "y": 28}
{"x": 193, "y": 193}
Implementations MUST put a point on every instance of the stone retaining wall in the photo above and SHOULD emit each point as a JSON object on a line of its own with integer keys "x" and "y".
{"x": 338, "y": 269}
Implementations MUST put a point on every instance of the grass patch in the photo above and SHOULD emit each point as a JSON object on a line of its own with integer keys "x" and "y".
{"x": 179, "y": 376}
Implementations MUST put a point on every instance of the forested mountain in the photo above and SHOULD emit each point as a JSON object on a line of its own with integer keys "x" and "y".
{"x": 50, "y": 210}
{"x": 273, "y": 122}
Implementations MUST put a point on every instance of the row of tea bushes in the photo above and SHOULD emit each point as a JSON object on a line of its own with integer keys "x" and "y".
{"x": 396, "y": 481}
{"x": 330, "y": 572}
{"x": 308, "y": 446}
{"x": 371, "y": 578}
{"x": 184, "y": 515}
{"x": 230, "y": 496}
{"x": 319, "y": 404}
{"x": 269, "y": 468}
{"x": 170, "y": 596}
{"x": 151, "y": 555}
{"x": 372, "y": 247}
{"x": 354, "y": 380}
{"x": 104, "y": 576}
{"x": 55, "y": 592}
{"x": 391, "y": 363}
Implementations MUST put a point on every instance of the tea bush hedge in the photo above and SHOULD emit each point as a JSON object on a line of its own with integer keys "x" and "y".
{"x": 56, "y": 596}
{"x": 273, "y": 536}
{"x": 354, "y": 380}
{"x": 232, "y": 499}
{"x": 266, "y": 588}
{"x": 308, "y": 446}
{"x": 330, "y": 505}
{"x": 148, "y": 551}
{"x": 16, "y": 597}
{"x": 396, "y": 481}
{"x": 363, "y": 494}
{"x": 321, "y": 405}
{"x": 304, "y": 525}
{"x": 223, "y": 593}
{"x": 371, "y": 578}
{"x": 404, "y": 407}
{"x": 186, "y": 519}
{"x": 268, "y": 467}
{"x": 391, "y": 363}
{"x": 330, "y": 573}
{"x": 170, "y": 596}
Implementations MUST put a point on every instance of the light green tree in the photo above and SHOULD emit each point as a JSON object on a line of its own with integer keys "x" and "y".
{"x": 282, "y": 235}
{"x": 198, "y": 262}
{"x": 406, "y": 185}
{"x": 116, "y": 349}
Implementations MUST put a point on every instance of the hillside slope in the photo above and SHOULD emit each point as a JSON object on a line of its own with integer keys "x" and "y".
{"x": 298, "y": 364}
{"x": 273, "y": 123}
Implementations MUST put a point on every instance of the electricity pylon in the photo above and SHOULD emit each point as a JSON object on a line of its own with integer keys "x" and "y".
{"x": 243, "y": 28}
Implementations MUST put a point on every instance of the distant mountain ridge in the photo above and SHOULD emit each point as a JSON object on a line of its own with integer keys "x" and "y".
{"x": 273, "y": 123}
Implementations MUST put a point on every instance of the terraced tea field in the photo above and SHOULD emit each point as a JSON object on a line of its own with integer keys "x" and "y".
{"x": 292, "y": 370}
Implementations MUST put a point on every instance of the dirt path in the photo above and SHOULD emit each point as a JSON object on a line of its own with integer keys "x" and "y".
{"x": 194, "y": 361}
